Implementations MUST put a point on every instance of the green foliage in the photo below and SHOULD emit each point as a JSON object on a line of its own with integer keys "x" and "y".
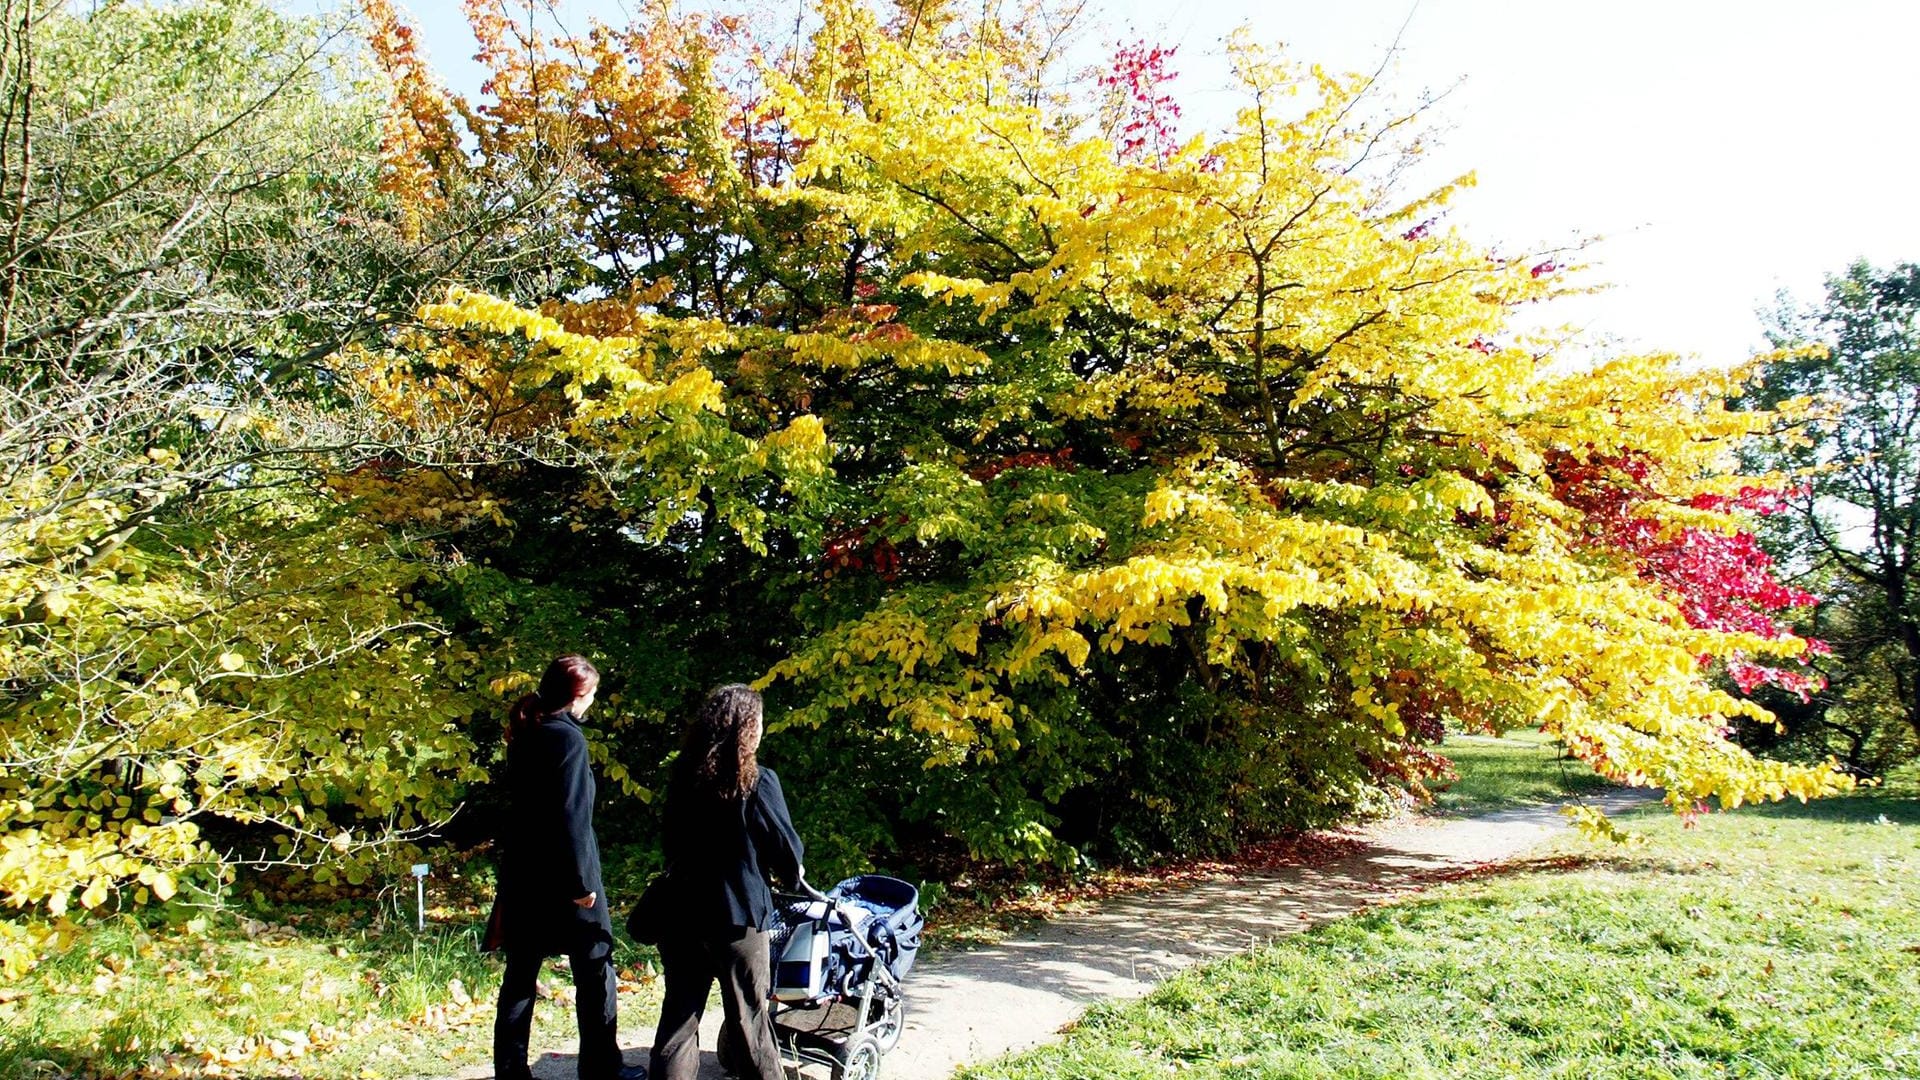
{"x": 1772, "y": 942}
{"x": 212, "y": 142}
{"x": 207, "y": 658}
{"x": 210, "y": 656}
{"x": 1855, "y": 525}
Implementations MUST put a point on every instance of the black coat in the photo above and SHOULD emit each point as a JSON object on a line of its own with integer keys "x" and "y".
{"x": 721, "y": 853}
{"x": 549, "y": 856}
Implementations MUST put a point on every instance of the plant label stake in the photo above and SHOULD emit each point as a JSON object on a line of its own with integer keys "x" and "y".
{"x": 420, "y": 896}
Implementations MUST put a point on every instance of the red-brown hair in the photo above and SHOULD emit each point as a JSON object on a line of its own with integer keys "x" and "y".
{"x": 568, "y": 679}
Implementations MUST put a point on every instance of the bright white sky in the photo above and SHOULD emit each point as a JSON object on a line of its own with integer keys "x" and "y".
{"x": 1722, "y": 149}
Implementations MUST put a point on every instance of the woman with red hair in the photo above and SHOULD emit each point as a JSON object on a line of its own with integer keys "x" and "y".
{"x": 551, "y": 900}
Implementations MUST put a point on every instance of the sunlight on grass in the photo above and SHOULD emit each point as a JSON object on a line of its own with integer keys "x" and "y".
{"x": 1772, "y": 942}
{"x": 332, "y": 998}
{"x": 1757, "y": 944}
{"x": 1521, "y": 768}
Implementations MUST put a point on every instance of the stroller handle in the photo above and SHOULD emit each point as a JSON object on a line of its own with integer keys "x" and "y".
{"x": 836, "y": 907}
{"x": 812, "y": 893}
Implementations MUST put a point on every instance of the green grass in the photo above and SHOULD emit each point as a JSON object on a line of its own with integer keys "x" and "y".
{"x": 1655, "y": 954}
{"x": 125, "y": 991}
{"x": 1521, "y": 768}
{"x": 1771, "y": 942}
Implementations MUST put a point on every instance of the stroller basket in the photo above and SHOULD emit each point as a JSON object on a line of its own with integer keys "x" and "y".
{"x": 894, "y": 933}
{"x": 821, "y": 951}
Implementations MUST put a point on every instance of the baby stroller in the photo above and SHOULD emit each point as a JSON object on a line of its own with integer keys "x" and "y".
{"x": 839, "y": 958}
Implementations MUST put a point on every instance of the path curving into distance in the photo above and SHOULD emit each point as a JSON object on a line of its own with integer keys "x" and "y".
{"x": 969, "y": 1006}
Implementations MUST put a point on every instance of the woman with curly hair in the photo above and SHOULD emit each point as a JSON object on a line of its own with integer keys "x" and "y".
{"x": 726, "y": 830}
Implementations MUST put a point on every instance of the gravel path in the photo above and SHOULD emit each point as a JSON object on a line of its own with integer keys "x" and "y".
{"x": 971, "y": 1006}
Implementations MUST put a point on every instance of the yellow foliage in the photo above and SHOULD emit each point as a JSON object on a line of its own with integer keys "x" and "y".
{"x": 633, "y": 388}
{"x": 1362, "y": 488}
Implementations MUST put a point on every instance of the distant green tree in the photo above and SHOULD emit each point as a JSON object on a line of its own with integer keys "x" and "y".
{"x": 1855, "y": 523}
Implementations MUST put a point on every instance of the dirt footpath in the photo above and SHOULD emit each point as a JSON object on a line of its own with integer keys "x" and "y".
{"x": 974, "y": 1006}
{"x": 971, "y": 1006}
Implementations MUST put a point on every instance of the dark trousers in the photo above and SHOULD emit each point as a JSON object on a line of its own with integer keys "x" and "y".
{"x": 738, "y": 958}
{"x": 595, "y": 1002}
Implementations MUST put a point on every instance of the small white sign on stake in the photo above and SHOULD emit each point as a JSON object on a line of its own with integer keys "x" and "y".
{"x": 420, "y": 895}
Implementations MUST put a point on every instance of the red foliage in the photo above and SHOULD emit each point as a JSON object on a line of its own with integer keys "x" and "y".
{"x": 1061, "y": 459}
{"x": 1720, "y": 581}
{"x": 1149, "y": 116}
{"x": 885, "y": 334}
{"x": 852, "y": 550}
{"x": 1423, "y": 710}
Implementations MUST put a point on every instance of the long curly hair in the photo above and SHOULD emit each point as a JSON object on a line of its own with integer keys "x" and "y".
{"x": 717, "y": 754}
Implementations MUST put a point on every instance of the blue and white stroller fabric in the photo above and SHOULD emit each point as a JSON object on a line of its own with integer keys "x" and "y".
{"x": 828, "y": 949}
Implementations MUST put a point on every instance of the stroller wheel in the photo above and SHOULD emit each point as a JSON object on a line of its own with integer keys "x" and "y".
{"x": 859, "y": 1059}
{"x": 886, "y": 1017}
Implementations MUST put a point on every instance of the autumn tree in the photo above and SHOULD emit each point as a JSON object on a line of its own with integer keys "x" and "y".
{"x": 1180, "y": 487}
